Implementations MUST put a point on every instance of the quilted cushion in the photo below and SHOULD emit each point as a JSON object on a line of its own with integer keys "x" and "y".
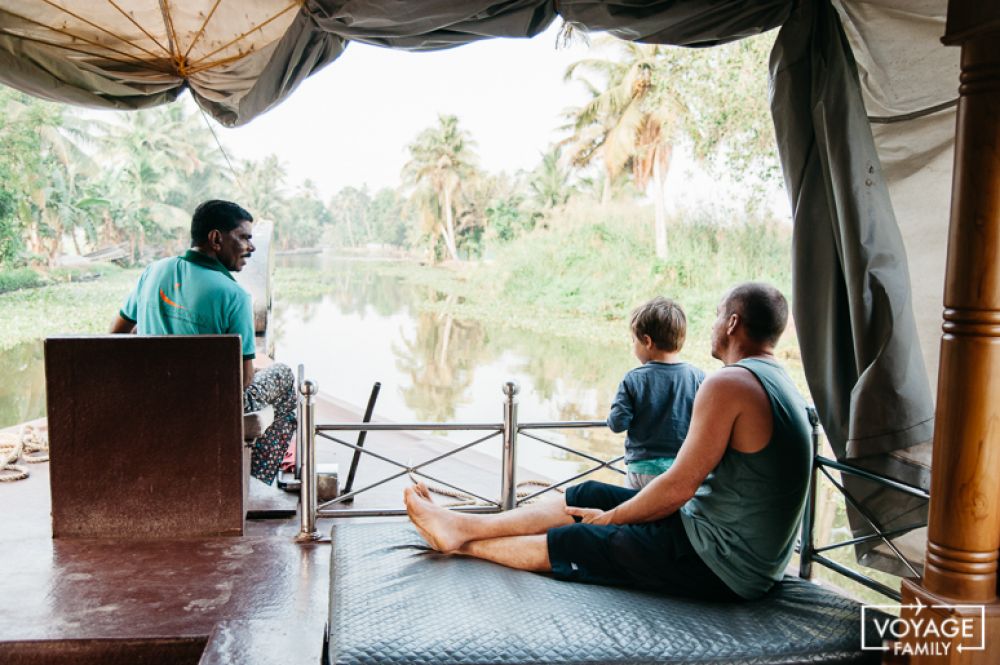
{"x": 394, "y": 601}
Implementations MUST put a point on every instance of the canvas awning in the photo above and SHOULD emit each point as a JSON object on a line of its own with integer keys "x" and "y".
{"x": 863, "y": 104}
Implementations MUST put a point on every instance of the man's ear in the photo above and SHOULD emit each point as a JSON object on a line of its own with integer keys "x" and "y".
{"x": 215, "y": 239}
{"x": 647, "y": 341}
{"x": 734, "y": 320}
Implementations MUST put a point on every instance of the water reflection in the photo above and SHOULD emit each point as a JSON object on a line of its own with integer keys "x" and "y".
{"x": 352, "y": 324}
{"x": 435, "y": 366}
{"x": 440, "y": 361}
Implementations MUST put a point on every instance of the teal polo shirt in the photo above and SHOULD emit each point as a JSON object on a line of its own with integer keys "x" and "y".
{"x": 193, "y": 294}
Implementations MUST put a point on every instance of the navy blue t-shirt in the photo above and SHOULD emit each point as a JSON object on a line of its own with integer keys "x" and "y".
{"x": 654, "y": 404}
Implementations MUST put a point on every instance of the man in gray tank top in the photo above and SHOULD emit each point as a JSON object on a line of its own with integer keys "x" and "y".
{"x": 749, "y": 430}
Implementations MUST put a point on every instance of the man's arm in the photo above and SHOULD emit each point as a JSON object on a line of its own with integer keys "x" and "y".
{"x": 717, "y": 406}
{"x": 122, "y": 326}
{"x": 248, "y": 371}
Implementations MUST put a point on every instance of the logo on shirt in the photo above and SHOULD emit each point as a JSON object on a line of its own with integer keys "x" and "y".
{"x": 164, "y": 298}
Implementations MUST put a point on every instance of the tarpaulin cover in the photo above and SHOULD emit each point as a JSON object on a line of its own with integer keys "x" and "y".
{"x": 240, "y": 58}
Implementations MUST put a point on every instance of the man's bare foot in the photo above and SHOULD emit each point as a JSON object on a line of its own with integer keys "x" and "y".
{"x": 423, "y": 490}
{"x": 437, "y": 525}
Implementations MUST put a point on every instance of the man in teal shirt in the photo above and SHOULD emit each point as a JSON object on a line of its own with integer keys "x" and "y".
{"x": 196, "y": 294}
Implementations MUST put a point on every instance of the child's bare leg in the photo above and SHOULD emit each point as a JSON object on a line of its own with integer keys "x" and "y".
{"x": 448, "y": 531}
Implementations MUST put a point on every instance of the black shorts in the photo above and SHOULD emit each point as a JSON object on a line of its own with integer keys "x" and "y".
{"x": 655, "y": 556}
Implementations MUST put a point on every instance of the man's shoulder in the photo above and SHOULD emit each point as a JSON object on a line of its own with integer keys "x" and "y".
{"x": 734, "y": 381}
{"x": 160, "y": 264}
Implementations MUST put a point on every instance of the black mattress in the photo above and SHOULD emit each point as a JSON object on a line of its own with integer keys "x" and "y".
{"x": 394, "y": 601}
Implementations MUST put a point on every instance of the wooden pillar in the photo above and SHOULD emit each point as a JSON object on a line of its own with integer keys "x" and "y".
{"x": 963, "y": 536}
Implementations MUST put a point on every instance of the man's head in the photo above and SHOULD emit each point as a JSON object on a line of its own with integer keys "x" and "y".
{"x": 224, "y": 230}
{"x": 661, "y": 320}
{"x": 751, "y": 314}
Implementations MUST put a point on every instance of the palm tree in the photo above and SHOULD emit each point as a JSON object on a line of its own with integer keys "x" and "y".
{"x": 629, "y": 121}
{"x": 349, "y": 207}
{"x": 263, "y": 187}
{"x": 441, "y": 158}
{"x": 549, "y": 182}
{"x": 651, "y": 163}
{"x": 151, "y": 159}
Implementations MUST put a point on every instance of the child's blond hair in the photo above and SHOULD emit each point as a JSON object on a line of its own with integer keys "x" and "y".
{"x": 663, "y": 320}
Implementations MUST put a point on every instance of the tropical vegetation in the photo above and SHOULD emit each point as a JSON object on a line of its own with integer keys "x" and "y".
{"x": 72, "y": 182}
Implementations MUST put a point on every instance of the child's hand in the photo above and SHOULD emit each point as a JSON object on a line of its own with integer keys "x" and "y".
{"x": 590, "y": 515}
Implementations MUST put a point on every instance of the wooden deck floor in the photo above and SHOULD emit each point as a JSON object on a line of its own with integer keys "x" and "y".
{"x": 259, "y": 598}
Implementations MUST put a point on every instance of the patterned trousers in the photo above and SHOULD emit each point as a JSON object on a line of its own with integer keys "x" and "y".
{"x": 274, "y": 385}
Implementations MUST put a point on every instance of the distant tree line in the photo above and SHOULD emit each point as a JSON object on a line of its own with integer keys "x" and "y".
{"x": 72, "y": 181}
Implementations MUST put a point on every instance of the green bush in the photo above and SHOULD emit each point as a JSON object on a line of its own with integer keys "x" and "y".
{"x": 20, "y": 278}
{"x": 84, "y": 272}
{"x": 601, "y": 262}
{"x": 27, "y": 278}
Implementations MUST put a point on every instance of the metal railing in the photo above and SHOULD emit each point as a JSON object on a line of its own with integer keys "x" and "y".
{"x": 508, "y": 430}
{"x": 809, "y": 553}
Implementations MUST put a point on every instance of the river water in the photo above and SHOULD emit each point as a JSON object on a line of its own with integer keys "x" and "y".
{"x": 435, "y": 367}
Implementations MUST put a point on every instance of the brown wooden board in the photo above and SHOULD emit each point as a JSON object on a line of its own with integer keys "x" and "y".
{"x": 146, "y": 436}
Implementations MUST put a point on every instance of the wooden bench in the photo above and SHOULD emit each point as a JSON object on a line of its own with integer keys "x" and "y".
{"x": 147, "y": 436}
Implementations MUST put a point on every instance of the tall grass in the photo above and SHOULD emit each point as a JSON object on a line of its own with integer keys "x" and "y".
{"x": 599, "y": 263}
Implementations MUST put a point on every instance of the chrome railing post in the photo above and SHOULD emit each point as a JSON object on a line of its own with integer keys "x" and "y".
{"x": 508, "y": 487}
{"x": 300, "y": 377}
{"x": 307, "y": 494}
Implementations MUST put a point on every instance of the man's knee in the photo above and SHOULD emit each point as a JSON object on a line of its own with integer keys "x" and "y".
{"x": 595, "y": 494}
{"x": 582, "y": 494}
{"x": 284, "y": 372}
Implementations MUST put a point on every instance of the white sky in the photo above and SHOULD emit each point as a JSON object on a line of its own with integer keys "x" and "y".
{"x": 350, "y": 123}
{"x": 370, "y": 103}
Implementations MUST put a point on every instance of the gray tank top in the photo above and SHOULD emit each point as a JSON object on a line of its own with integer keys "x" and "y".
{"x": 744, "y": 520}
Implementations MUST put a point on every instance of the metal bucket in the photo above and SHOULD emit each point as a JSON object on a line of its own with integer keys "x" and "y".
{"x": 327, "y": 481}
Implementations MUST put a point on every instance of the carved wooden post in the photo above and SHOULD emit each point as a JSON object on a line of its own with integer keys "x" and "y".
{"x": 964, "y": 528}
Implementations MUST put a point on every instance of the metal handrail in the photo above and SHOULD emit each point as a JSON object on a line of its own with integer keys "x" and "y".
{"x": 406, "y": 470}
{"x": 407, "y": 427}
{"x": 809, "y": 553}
{"x": 509, "y": 429}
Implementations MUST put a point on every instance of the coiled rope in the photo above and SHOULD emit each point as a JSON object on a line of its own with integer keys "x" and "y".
{"x": 28, "y": 445}
{"x": 464, "y": 499}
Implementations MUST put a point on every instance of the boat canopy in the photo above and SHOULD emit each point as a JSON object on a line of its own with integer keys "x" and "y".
{"x": 863, "y": 101}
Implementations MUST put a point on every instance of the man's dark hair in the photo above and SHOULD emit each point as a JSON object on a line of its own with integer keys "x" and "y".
{"x": 663, "y": 320}
{"x": 762, "y": 308}
{"x": 210, "y": 215}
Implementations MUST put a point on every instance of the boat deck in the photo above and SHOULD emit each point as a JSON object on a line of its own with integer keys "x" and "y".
{"x": 259, "y": 598}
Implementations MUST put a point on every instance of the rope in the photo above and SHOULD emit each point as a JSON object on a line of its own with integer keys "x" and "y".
{"x": 469, "y": 500}
{"x": 236, "y": 178}
{"x": 28, "y": 445}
